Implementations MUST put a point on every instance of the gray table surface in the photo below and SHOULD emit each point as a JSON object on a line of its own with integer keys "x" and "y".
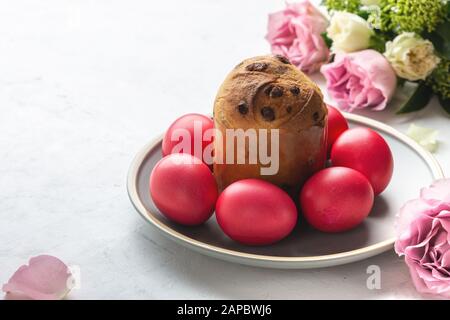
{"x": 85, "y": 84}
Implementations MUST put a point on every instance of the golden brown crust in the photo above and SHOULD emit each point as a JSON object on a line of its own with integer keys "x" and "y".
{"x": 267, "y": 92}
{"x": 291, "y": 100}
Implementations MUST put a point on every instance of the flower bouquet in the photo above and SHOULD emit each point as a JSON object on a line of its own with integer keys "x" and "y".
{"x": 367, "y": 48}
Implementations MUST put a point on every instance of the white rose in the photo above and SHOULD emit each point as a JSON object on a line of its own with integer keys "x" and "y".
{"x": 411, "y": 57}
{"x": 349, "y": 32}
{"x": 370, "y": 2}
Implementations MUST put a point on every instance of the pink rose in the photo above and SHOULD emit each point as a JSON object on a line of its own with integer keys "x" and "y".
{"x": 423, "y": 237}
{"x": 362, "y": 79}
{"x": 295, "y": 33}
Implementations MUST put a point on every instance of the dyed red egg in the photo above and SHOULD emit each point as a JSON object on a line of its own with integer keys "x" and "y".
{"x": 183, "y": 189}
{"x": 336, "y": 199}
{"x": 366, "y": 151}
{"x": 337, "y": 124}
{"x": 255, "y": 212}
{"x": 192, "y": 134}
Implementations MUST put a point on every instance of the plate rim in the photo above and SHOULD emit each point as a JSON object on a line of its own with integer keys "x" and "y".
{"x": 267, "y": 260}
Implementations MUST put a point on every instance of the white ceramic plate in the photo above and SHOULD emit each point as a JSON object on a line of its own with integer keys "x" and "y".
{"x": 305, "y": 247}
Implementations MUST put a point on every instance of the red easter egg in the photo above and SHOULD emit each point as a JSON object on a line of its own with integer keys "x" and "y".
{"x": 337, "y": 124}
{"x": 183, "y": 189}
{"x": 255, "y": 212}
{"x": 336, "y": 199}
{"x": 187, "y": 135}
{"x": 366, "y": 151}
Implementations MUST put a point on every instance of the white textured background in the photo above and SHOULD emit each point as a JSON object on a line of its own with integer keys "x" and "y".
{"x": 83, "y": 85}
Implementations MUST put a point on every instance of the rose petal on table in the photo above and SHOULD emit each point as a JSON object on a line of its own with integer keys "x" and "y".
{"x": 426, "y": 137}
{"x": 44, "y": 278}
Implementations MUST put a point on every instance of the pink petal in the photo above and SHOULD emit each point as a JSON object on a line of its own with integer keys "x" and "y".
{"x": 445, "y": 223}
{"x": 413, "y": 242}
{"x": 423, "y": 237}
{"x": 295, "y": 32}
{"x": 445, "y": 262}
{"x": 379, "y": 72}
{"x": 409, "y": 214}
{"x": 439, "y": 190}
{"x": 370, "y": 80}
{"x": 44, "y": 278}
{"x": 440, "y": 240}
{"x": 417, "y": 279}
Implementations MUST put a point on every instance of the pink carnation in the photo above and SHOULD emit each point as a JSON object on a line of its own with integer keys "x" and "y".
{"x": 362, "y": 79}
{"x": 423, "y": 237}
{"x": 295, "y": 33}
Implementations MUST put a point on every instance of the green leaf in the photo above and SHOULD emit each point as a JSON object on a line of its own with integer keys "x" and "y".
{"x": 363, "y": 14}
{"x": 445, "y": 104}
{"x": 440, "y": 38}
{"x": 376, "y": 42}
{"x": 332, "y": 56}
{"x": 327, "y": 40}
{"x": 418, "y": 100}
{"x": 401, "y": 82}
{"x": 443, "y": 29}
